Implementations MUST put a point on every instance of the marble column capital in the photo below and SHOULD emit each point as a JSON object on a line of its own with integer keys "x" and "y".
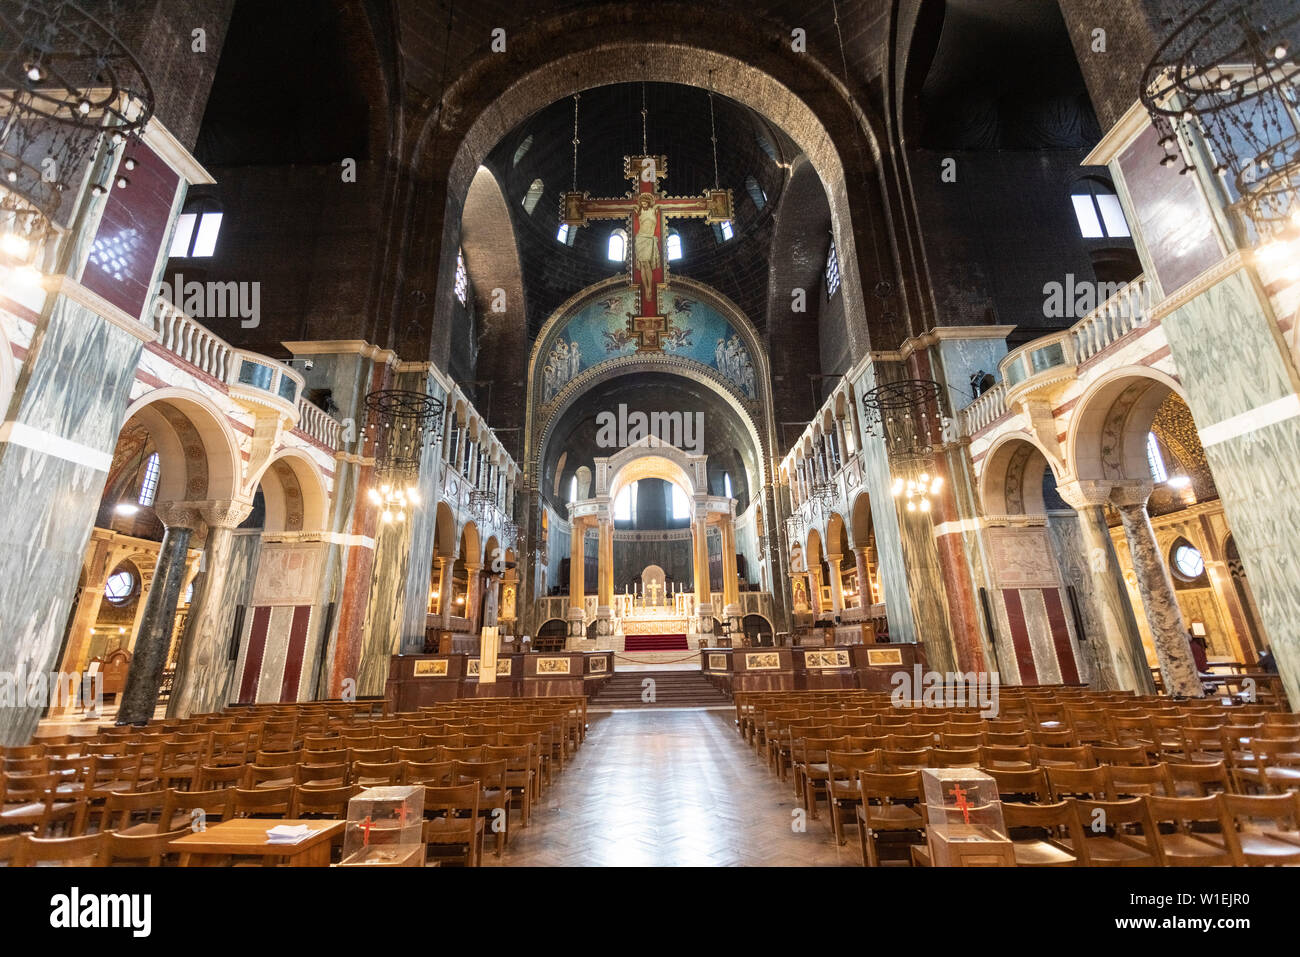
{"x": 1131, "y": 493}
{"x": 1085, "y": 493}
{"x": 181, "y": 515}
{"x": 225, "y": 513}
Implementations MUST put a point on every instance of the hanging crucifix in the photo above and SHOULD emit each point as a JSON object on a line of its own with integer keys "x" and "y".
{"x": 647, "y": 212}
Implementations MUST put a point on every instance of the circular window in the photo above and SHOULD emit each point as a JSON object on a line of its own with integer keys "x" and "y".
{"x": 119, "y": 587}
{"x": 1188, "y": 561}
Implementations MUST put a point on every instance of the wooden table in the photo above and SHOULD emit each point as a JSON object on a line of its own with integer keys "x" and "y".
{"x": 246, "y": 837}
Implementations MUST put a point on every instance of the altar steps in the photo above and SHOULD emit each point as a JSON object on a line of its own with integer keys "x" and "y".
{"x": 672, "y": 689}
{"x": 655, "y": 643}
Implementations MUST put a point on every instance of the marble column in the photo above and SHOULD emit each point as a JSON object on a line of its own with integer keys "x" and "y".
{"x": 473, "y": 593}
{"x": 203, "y": 668}
{"x": 815, "y": 588}
{"x": 604, "y": 572}
{"x": 703, "y": 594}
{"x": 144, "y": 677}
{"x": 864, "y": 578}
{"x": 837, "y": 584}
{"x": 957, "y": 576}
{"x": 446, "y": 588}
{"x": 730, "y": 568}
{"x": 577, "y": 579}
{"x": 1117, "y": 655}
{"x": 1159, "y": 600}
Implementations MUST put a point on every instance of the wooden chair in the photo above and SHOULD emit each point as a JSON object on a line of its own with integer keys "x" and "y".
{"x": 954, "y": 757}
{"x": 1199, "y": 780}
{"x": 31, "y": 802}
{"x": 452, "y": 819}
{"x": 1075, "y": 756}
{"x": 381, "y": 774}
{"x": 842, "y": 788}
{"x": 1037, "y": 832}
{"x": 212, "y": 776}
{"x": 196, "y": 809}
{"x": 1201, "y": 745}
{"x": 140, "y": 850}
{"x": 180, "y": 760}
{"x": 1017, "y": 785}
{"x": 323, "y": 802}
{"x": 137, "y": 814}
{"x": 1007, "y": 758}
{"x": 1181, "y": 846}
{"x": 901, "y": 761}
{"x": 88, "y": 850}
{"x": 521, "y": 775}
{"x": 810, "y": 767}
{"x": 416, "y": 754}
{"x": 1129, "y": 755}
{"x": 1267, "y": 827}
{"x": 1074, "y": 782}
{"x": 1007, "y": 739}
{"x": 1124, "y": 781}
{"x": 494, "y": 799}
{"x": 882, "y": 809}
{"x": 261, "y": 802}
{"x": 1274, "y": 765}
{"x": 315, "y": 776}
{"x": 1106, "y": 835}
{"x": 429, "y": 773}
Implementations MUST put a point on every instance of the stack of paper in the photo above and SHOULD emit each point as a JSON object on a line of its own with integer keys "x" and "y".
{"x": 284, "y": 834}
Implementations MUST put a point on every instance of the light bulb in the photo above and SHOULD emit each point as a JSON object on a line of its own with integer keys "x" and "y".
{"x": 374, "y": 496}
{"x": 387, "y": 516}
{"x": 15, "y": 245}
{"x": 123, "y": 182}
{"x": 925, "y": 505}
{"x": 898, "y": 486}
{"x": 936, "y": 484}
{"x": 12, "y": 175}
{"x": 911, "y": 506}
{"x": 400, "y": 515}
{"x": 1279, "y": 51}
{"x": 129, "y": 162}
{"x": 35, "y": 73}
{"x": 925, "y": 477}
{"x": 83, "y": 107}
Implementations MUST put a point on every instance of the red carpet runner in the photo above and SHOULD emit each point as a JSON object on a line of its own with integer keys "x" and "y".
{"x": 656, "y": 643}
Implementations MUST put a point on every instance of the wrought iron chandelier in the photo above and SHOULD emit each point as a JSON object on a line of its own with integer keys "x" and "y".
{"x": 1228, "y": 73}
{"x": 402, "y": 424}
{"x": 67, "y": 82}
{"x": 510, "y": 530}
{"x": 823, "y": 496}
{"x": 481, "y": 503}
{"x": 906, "y": 414}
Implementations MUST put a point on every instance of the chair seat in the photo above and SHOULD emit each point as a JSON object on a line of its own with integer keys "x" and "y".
{"x": 274, "y": 783}
{"x": 1188, "y": 847}
{"x": 895, "y": 817}
{"x": 1042, "y": 854}
{"x": 1108, "y": 850}
{"x": 1262, "y": 847}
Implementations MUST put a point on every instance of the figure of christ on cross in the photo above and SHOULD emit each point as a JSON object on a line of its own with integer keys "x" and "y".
{"x": 959, "y": 801}
{"x": 646, "y": 212}
{"x": 653, "y": 589}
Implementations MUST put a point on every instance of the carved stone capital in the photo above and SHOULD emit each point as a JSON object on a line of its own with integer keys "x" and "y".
{"x": 225, "y": 513}
{"x": 1085, "y": 493}
{"x": 1131, "y": 492}
{"x": 181, "y": 515}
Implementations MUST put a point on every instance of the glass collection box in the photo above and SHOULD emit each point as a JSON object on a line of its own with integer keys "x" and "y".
{"x": 964, "y": 819}
{"x": 385, "y": 826}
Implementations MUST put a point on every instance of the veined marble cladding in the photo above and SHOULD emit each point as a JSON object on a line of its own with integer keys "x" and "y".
{"x": 1097, "y": 605}
{"x": 962, "y": 358}
{"x": 1034, "y": 608}
{"x": 205, "y": 673}
{"x": 273, "y": 656}
{"x": 1232, "y": 361}
{"x": 891, "y": 569}
{"x": 1179, "y": 236}
{"x": 73, "y": 387}
{"x": 423, "y": 520}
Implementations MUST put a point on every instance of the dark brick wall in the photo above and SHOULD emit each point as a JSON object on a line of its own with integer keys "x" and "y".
{"x": 1134, "y": 30}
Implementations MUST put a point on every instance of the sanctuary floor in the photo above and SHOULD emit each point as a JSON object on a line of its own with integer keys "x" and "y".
{"x": 669, "y": 788}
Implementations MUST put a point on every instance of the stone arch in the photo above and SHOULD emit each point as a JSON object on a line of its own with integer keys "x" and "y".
{"x": 860, "y": 521}
{"x": 444, "y": 532}
{"x": 199, "y": 455}
{"x": 1011, "y": 482}
{"x": 1108, "y": 431}
{"x": 650, "y": 461}
{"x": 471, "y": 546}
{"x": 294, "y": 492}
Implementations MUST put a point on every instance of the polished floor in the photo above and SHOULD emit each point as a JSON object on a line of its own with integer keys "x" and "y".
{"x": 663, "y": 788}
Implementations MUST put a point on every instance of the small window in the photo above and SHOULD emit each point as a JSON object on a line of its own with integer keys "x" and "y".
{"x": 725, "y": 230}
{"x": 573, "y": 489}
{"x": 149, "y": 485}
{"x": 674, "y": 245}
{"x": 534, "y": 194}
{"x": 462, "y": 278}
{"x": 1098, "y": 211}
{"x": 726, "y": 484}
{"x": 756, "y": 192}
{"x": 681, "y": 504}
{"x": 625, "y": 504}
{"x": 832, "y": 271}
{"x": 1155, "y": 460}
{"x": 562, "y": 234}
{"x": 617, "y": 248}
{"x": 1188, "y": 561}
{"x": 119, "y": 587}
{"x": 524, "y": 147}
{"x": 196, "y": 234}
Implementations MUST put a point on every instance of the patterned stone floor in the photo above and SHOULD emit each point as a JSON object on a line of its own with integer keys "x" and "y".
{"x": 669, "y": 788}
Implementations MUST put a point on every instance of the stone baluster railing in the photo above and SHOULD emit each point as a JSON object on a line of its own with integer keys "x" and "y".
{"x": 319, "y": 424}
{"x": 192, "y": 342}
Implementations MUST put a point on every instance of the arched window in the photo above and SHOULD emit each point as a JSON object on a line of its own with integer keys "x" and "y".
{"x": 196, "y": 231}
{"x": 149, "y": 485}
{"x": 756, "y": 192}
{"x": 573, "y": 489}
{"x": 535, "y": 190}
{"x": 562, "y": 234}
{"x": 462, "y": 278}
{"x": 1155, "y": 460}
{"x": 726, "y": 484}
{"x": 524, "y": 147}
{"x": 625, "y": 504}
{"x": 617, "y": 249}
{"x": 120, "y": 586}
{"x": 681, "y": 504}
{"x": 674, "y": 245}
{"x": 1098, "y": 210}
{"x": 725, "y": 231}
{"x": 832, "y": 271}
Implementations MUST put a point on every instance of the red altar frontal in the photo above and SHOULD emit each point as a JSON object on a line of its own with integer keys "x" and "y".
{"x": 418, "y": 680}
